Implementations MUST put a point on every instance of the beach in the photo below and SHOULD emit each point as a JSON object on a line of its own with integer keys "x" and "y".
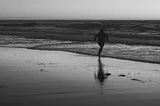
{"x": 57, "y": 78}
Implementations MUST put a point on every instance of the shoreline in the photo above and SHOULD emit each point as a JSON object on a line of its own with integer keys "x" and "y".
{"x": 47, "y": 47}
{"x": 34, "y": 48}
{"x": 90, "y": 54}
{"x": 140, "y": 53}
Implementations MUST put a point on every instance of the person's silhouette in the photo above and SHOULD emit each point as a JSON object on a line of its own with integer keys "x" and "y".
{"x": 101, "y": 40}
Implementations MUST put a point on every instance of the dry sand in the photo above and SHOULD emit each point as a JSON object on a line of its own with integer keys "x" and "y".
{"x": 56, "y": 78}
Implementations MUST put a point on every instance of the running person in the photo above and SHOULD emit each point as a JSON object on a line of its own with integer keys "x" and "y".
{"x": 101, "y": 40}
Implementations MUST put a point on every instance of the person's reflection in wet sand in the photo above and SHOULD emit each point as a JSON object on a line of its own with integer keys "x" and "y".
{"x": 100, "y": 76}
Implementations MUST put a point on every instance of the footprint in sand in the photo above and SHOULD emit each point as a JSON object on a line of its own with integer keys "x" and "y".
{"x": 122, "y": 75}
{"x": 40, "y": 64}
{"x": 42, "y": 70}
{"x": 108, "y": 74}
{"x": 134, "y": 79}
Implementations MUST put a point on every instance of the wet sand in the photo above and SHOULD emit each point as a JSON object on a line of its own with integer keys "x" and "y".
{"x": 140, "y": 53}
{"x": 56, "y": 78}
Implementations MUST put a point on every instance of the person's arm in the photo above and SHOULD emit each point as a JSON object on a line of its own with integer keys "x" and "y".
{"x": 95, "y": 37}
{"x": 107, "y": 38}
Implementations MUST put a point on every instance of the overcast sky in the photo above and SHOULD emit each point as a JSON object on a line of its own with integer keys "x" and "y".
{"x": 80, "y": 9}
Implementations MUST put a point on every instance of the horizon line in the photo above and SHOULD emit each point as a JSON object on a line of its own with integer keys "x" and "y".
{"x": 85, "y": 19}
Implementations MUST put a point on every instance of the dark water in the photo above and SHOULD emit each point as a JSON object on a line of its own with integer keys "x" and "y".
{"x": 135, "y": 25}
{"x": 84, "y": 30}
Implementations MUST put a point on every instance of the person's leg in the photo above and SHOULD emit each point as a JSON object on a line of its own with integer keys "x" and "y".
{"x": 100, "y": 49}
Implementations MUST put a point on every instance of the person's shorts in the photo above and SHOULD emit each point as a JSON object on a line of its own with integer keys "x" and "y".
{"x": 101, "y": 44}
